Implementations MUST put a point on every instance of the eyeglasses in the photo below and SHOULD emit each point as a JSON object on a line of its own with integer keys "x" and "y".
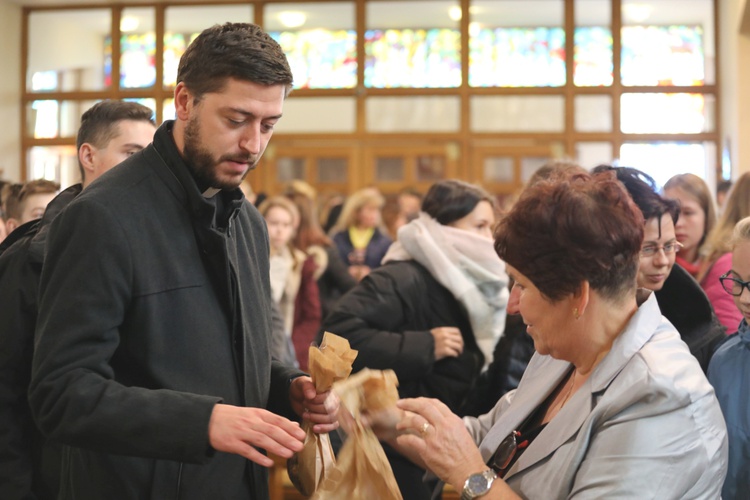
{"x": 733, "y": 286}
{"x": 669, "y": 249}
{"x": 506, "y": 451}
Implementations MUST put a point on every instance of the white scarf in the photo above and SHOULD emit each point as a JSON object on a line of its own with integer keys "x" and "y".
{"x": 466, "y": 264}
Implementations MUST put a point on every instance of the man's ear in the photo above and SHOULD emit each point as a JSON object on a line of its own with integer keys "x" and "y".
{"x": 86, "y": 155}
{"x": 10, "y": 225}
{"x": 183, "y": 101}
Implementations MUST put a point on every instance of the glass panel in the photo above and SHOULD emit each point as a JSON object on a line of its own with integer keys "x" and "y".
{"x": 662, "y": 160}
{"x": 289, "y": 169}
{"x": 389, "y": 169}
{"x": 332, "y": 170}
{"x": 667, "y": 42}
{"x": 318, "y": 115}
{"x": 593, "y": 113}
{"x": 137, "y": 49}
{"x": 69, "y": 43}
{"x": 591, "y": 154}
{"x": 52, "y": 119}
{"x": 666, "y": 113}
{"x": 531, "y": 164}
{"x": 593, "y": 44}
{"x": 498, "y": 169}
{"x": 55, "y": 163}
{"x": 413, "y": 44}
{"x": 430, "y": 168}
{"x": 146, "y": 101}
{"x": 319, "y": 40}
{"x": 184, "y": 23}
{"x": 517, "y": 113}
{"x": 168, "y": 111}
{"x": 413, "y": 114}
{"x": 512, "y": 45}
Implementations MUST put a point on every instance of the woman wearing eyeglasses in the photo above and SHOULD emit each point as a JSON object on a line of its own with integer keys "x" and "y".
{"x": 612, "y": 404}
{"x": 729, "y": 371}
{"x": 680, "y": 297}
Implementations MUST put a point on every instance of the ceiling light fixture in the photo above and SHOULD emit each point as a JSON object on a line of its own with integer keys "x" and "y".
{"x": 292, "y": 18}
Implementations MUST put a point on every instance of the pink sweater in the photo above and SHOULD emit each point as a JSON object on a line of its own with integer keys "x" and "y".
{"x": 722, "y": 302}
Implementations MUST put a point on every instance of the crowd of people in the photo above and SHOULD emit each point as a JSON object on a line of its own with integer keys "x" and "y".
{"x": 156, "y": 317}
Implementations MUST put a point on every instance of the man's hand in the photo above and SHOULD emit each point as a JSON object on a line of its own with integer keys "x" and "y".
{"x": 239, "y": 430}
{"x": 310, "y": 405}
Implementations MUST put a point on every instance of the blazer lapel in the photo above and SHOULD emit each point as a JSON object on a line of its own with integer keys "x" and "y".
{"x": 559, "y": 430}
{"x": 549, "y": 373}
{"x": 581, "y": 405}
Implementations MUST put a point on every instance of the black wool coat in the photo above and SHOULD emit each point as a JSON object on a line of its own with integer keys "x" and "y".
{"x": 152, "y": 310}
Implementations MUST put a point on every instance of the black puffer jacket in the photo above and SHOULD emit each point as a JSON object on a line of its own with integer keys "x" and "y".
{"x": 388, "y": 316}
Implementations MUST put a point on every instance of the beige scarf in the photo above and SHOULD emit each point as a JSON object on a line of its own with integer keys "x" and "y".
{"x": 466, "y": 264}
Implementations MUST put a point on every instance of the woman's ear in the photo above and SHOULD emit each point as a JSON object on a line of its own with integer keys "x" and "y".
{"x": 581, "y": 299}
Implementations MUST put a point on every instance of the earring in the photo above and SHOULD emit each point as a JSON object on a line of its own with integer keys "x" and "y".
{"x": 575, "y": 313}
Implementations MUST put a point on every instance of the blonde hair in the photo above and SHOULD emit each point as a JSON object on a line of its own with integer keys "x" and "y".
{"x": 697, "y": 188}
{"x": 285, "y": 204}
{"x": 741, "y": 232}
{"x": 720, "y": 240}
{"x": 352, "y": 206}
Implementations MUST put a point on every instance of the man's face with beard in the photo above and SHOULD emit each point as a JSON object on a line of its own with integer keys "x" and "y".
{"x": 226, "y": 132}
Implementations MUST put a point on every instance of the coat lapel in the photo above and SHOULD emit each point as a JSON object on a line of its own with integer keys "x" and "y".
{"x": 547, "y": 373}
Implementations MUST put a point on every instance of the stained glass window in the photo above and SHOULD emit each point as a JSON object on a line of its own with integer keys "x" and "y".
{"x": 137, "y": 61}
{"x": 662, "y": 55}
{"x": 174, "y": 46}
{"x": 418, "y": 58}
{"x": 593, "y": 57}
{"x": 517, "y": 57}
{"x": 320, "y": 58}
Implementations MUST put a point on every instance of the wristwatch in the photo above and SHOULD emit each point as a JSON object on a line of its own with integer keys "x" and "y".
{"x": 478, "y": 484}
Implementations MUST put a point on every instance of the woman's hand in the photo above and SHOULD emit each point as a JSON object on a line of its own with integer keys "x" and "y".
{"x": 441, "y": 440}
{"x": 448, "y": 342}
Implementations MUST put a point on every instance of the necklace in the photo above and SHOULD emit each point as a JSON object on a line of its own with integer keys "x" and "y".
{"x": 557, "y": 408}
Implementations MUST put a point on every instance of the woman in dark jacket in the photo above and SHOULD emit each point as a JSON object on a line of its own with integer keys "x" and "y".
{"x": 434, "y": 310}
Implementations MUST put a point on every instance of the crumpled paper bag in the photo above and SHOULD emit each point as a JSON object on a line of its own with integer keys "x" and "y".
{"x": 363, "y": 471}
{"x": 329, "y": 363}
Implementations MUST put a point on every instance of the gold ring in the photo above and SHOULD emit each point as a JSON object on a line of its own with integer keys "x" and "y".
{"x": 425, "y": 428}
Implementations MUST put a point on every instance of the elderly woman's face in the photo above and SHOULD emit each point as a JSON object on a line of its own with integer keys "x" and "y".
{"x": 657, "y": 252}
{"x": 545, "y": 320}
{"x": 479, "y": 221}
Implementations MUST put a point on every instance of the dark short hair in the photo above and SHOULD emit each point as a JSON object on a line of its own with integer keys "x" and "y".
{"x": 643, "y": 189}
{"x": 233, "y": 50}
{"x": 99, "y": 122}
{"x": 450, "y": 200}
{"x": 570, "y": 229}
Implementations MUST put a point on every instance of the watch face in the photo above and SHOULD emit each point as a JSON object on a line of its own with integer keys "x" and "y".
{"x": 477, "y": 484}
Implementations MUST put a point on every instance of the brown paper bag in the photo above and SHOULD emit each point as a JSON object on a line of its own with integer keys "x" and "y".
{"x": 363, "y": 471}
{"x": 328, "y": 364}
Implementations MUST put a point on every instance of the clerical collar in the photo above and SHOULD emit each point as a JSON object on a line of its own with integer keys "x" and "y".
{"x": 210, "y": 192}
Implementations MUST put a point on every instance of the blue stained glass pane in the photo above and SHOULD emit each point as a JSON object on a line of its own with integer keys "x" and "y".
{"x": 320, "y": 58}
{"x": 593, "y": 57}
{"x": 137, "y": 60}
{"x": 417, "y": 58}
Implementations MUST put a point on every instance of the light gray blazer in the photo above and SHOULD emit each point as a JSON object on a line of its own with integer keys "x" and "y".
{"x": 646, "y": 423}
